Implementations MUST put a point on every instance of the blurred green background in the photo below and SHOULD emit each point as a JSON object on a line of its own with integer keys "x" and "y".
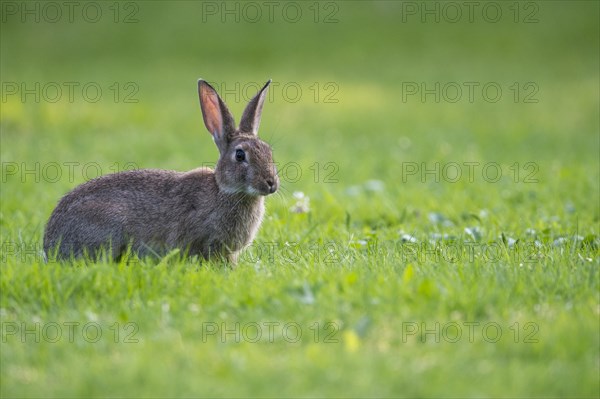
{"x": 339, "y": 94}
{"x": 349, "y": 109}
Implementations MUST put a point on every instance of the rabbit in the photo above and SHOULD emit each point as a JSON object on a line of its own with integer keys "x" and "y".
{"x": 210, "y": 213}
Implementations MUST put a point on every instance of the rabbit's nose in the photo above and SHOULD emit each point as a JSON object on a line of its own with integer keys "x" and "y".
{"x": 272, "y": 185}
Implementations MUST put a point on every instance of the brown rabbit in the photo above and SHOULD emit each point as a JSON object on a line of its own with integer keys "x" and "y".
{"x": 211, "y": 213}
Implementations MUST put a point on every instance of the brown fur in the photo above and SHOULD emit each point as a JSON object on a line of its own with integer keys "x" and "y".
{"x": 201, "y": 212}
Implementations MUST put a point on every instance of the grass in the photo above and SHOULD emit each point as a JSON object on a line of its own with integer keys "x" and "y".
{"x": 387, "y": 265}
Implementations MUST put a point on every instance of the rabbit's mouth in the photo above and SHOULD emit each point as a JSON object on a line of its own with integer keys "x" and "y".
{"x": 268, "y": 187}
{"x": 262, "y": 192}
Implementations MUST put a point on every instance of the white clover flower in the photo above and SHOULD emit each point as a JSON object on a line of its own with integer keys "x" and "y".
{"x": 302, "y": 204}
{"x": 374, "y": 185}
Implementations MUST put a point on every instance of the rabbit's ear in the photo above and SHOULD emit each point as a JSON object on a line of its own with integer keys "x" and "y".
{"x": 217, "y": 118}
{"x": 251, "y": 117}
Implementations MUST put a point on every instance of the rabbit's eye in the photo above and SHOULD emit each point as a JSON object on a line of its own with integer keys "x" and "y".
{"x": 240, "y": 155}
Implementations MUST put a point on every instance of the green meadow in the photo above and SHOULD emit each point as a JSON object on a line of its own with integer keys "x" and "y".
{"x": 436, "y": 232}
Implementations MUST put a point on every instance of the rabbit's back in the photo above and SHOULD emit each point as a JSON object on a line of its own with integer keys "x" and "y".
{"x": 153, "y": 210}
